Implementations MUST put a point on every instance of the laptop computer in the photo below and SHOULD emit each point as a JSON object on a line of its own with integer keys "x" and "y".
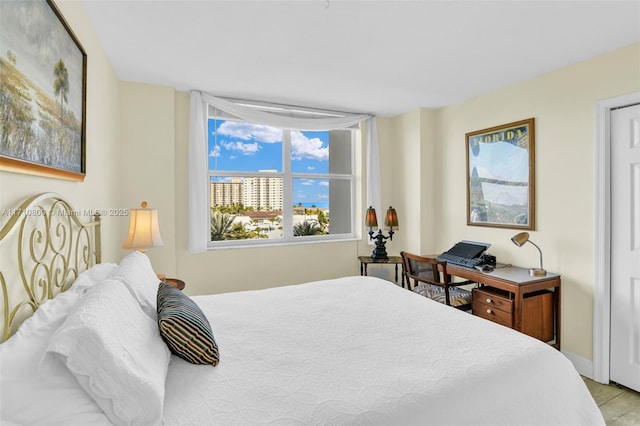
{"x": 465, "y": 253}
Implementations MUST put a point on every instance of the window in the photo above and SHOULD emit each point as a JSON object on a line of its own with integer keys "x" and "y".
{"x": 275, "y": 186}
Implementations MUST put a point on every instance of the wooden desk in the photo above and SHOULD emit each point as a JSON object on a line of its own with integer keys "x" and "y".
{"x": 518, "y": 284}
{"x": 366, "y": 260}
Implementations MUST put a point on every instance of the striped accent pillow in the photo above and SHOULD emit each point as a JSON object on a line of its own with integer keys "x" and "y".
{"x": 184, "y": 327}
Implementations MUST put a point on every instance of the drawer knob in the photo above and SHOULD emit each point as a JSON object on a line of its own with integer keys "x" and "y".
{"x": 488, "y": 300}
{"x": 488, "y": 311}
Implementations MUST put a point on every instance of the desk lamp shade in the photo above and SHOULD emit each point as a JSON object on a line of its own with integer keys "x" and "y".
{"x": 144, "y": 229}
{"x": 520, "y": 240}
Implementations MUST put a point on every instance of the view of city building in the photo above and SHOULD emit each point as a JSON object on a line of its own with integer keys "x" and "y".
{"x": 226, "y": 193}
{"x": 258, "y": 193}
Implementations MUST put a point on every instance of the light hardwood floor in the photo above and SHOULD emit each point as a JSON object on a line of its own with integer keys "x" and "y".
{"x": 619, "y": 405}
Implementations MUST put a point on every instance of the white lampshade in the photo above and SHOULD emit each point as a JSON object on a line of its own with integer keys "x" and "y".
{"x": 144, "y": 229}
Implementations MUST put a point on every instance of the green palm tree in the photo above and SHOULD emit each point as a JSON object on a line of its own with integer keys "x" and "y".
{"x": 221, "y": 225}
{"x": 61, "y": 83}
{"x": 239, "y": 232}
{"x": 323, "y": 219}
{"x": 307, "y": 228}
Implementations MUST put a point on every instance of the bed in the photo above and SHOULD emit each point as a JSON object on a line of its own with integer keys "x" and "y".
{"x": 353, "y": 350}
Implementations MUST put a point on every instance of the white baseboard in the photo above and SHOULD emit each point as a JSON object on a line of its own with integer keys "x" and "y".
{"x": 582, "y": 365}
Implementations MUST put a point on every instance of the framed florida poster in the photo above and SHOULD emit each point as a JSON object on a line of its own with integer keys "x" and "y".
{"x": 501, "y": 176}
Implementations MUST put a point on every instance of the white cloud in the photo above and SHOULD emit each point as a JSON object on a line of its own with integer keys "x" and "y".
{"x": 248, "y": 131}
{"x": 243, "y": 148}
{"x": 307, "y": 182}
{"x": 303, "y": 147}
{"x": 323, "y": 183}
{"x": 215, "y": 152}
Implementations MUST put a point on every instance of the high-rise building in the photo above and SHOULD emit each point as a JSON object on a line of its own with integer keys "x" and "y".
{"x": 226, "y": 193}
{"x": 261, "y": 193}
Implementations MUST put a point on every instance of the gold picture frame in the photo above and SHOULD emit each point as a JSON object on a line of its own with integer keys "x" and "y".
{"x": 501, "y": 176}
{"x": 44, "y": 78}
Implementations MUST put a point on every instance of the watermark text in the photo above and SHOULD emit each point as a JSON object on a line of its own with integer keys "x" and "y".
{"x": 64, "y": 213}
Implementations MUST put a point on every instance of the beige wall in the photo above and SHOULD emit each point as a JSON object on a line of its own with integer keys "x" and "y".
{"x": 563, "y": 104}
{"x": 102, "y": 186}
{"x": 148, "y": 167}
{"x": 411, "y": 166}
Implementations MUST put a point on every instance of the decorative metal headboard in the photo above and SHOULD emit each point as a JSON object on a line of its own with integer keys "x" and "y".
{"x": 52, "y": 247}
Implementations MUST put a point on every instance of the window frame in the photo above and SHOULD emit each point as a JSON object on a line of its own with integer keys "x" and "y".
{"x": 287, "y": 177}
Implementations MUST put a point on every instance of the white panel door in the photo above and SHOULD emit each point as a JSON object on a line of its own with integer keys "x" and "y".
{"x": 625, "y": 247}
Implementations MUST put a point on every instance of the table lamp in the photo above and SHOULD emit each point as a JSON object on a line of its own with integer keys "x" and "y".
{"x": 144, "y": 229}
{"x": 390, "y": 222}
{"x": 521, "y": 239}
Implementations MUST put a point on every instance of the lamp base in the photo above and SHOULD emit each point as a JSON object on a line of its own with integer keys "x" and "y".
{"x": 380, "y": 252}
{"x": 376, "y": 256}
{"x": 537, "y": 272}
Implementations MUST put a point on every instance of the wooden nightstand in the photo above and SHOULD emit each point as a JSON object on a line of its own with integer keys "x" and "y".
{"x": 175, "y": 282}
{"x": 367, "y": 260}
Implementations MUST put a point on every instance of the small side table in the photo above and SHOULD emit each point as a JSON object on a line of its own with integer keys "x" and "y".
{"x": 366, "y": 260}
{"x": 175, "y": 282}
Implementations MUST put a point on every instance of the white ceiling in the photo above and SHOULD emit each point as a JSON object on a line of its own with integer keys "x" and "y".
{"x": 381, "y": 57}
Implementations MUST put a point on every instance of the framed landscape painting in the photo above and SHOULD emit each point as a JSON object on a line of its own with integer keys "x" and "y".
{"x": 43, "y": 71}
{"x": 500, "y": 176}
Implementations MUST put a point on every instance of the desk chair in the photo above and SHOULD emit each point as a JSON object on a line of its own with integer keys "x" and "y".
{"x": 428, "y": 277}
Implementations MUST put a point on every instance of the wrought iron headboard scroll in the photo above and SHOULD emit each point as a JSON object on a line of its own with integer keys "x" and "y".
{"x": 52, "y": 247}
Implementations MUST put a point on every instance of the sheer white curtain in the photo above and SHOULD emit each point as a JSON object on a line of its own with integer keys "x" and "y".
{"x": 374, "y": 188}
{"x": 254, "y": 115}
{"x": 198, "y": 156}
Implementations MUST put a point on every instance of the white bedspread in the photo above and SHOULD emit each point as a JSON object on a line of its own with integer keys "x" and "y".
{"x": 360, "y": 350}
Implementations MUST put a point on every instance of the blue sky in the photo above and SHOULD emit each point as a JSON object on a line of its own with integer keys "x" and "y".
{"x": 237, "y": 146}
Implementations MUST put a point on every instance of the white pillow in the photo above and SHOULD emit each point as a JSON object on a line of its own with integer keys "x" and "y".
{"x": 27, "y": 398}
{"x": 93, "y": 275}
{"x": 115, "y": 352}
{"x": 136, "y": 273}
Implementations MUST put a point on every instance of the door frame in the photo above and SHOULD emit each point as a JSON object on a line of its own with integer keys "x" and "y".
{"x": 602, "y": 285}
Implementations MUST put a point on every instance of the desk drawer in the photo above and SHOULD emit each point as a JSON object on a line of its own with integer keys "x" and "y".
{"x": 493, "y": 298}
{"x": 492, "y": 314}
